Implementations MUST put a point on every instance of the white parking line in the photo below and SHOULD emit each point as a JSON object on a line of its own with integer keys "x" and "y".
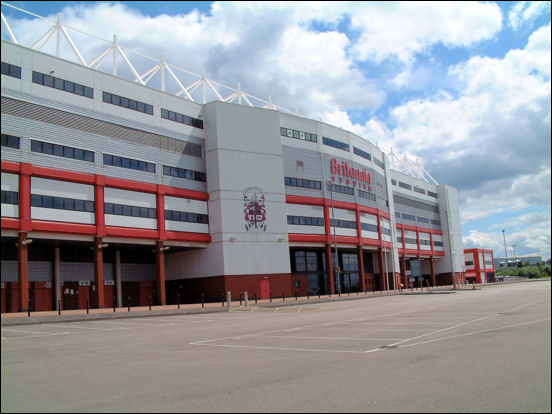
{"x": 331, "y": 337}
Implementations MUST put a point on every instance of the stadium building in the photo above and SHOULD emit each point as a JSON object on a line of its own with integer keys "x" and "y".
{"x": 112, "y": 189}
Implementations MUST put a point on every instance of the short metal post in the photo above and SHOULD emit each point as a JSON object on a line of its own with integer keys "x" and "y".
{"x": 223, "y": 299}
{"x": 245, "y": 299}
{"x": 59, "y": 306}
{"x": 128, "y": 303}
{"x": 283, "y": 296}
{"x": 114, "y": 303}
{"x": 87, "y": 307}
{"x": 295, "y": 294}
{"x": 271, "y": 296}
{"x": 229, "y": 300}
{"x": 240, "y": 299}
{"x": 255, "y": 298}
{"x": 29, "y": 308}
{"x": 202, "y": 300}
{"x": 150, "y": 303}
{"x": 178, "y": 300}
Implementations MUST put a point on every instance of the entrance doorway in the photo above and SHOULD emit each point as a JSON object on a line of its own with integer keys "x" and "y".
{"x": 265, "y": 288}
{"x": 70, "y": 295}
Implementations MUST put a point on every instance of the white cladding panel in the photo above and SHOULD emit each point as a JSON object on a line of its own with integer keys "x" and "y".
{"x": 424, "y": 236}
{"x": 130, "y": 198}
{"x": 305, "y": 211}
{"x": 468, "y": 257}
{"x": 453, "y": 261}
{"x": 369, "y": 219}
{"x": 341, "y": 214}
{"x": 65, "y": 189}
{"x": 488, "y": 260}
{"x": 10, "y": 182}
{"x": 188, "y": 206}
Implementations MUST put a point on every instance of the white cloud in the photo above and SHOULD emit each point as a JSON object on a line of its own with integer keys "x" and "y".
{"x": 524, "y": 12}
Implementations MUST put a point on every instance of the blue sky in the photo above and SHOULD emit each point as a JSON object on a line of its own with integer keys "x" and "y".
{"x": 462, "y": 87}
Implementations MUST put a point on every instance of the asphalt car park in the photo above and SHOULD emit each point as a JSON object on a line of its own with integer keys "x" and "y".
{"x": 473, "y": 350}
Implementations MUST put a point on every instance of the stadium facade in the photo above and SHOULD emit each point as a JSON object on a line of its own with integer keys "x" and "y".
{"x": 114, "y": 190}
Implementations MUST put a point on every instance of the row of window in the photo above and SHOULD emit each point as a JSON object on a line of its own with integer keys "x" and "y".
{"x": 362, "y": 153}
{"x": 415, "y": 189}
{"x": 10, "y": 197}
{"x": 344, "y": 224}
{"x": 127, "y": 103}
{"x": 303, "y": 183}
{"x": 88, "y": 92}
{"x": 416, "y": 204}
{"x": 61, "y": 203}
{"x": 292, "y": 133}
{"x": 369, "y": 227}
{"x": 341, "y": 189}
{"x": 173, "y": 215}
{"x": 305, "y": 221}
{"x": 408, "y": 240}
{"x": 10, "y": 141}
{"x": 63, "y": 85}
{"x": 130, "y": 211}
{"x": 124, "y": 162}
{"x": 335, "y": 144}
{"x": 366, "y": 195}
{"x": 183, "y": 119}
{"x": 11, "y": 70}
{"x": 62, "y": 151}
{"x": 418, "y": 219}
{"x": 183, "y": 173}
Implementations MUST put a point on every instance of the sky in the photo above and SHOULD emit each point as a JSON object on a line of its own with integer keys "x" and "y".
{"x": 464, "y": 88}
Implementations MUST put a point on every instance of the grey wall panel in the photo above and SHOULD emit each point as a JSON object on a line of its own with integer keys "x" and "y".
{"x": 9, "y": 270}
{"x": 41, "y": 271}
{"x": 74, "y": 271}
{"x": 137, "y": 272}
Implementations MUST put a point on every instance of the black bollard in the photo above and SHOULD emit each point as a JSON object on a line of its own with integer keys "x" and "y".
{"x": 223, "y": 299}
{"x": 29, "y": 308}
{"x": 150, "y": 303}
{"x": 295, "y": 294}
{"x": 202, "y": 300}
{"x": 283, "y": 296}
{"x": 178, "y": 300}
{"x": 240, "y": 299}
{"x": 255, "y": 298}
{"x": 271, "y": 296}
{"x": 59, "y": 306}
{"x": 128, "y": 303}
{"x": 114, "y": 303}
{"x": 87, "y": 307}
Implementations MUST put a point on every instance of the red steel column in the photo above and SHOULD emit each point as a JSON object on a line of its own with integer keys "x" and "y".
{"x": 98, "y": 273}
{"x": 160, "y": 262}
{"x": 99, "y": 205}
{"x": 22, "y": 273}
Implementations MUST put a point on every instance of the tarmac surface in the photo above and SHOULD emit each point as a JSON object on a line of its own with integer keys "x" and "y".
{"x": 465, "y": 350}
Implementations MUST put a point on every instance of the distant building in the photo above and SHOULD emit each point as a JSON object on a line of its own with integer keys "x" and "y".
{"x": 513, "y": 261}
{"x": 479, "y": 265}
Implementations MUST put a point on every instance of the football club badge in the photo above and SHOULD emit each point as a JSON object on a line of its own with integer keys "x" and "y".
{"x": 254, "y": 209}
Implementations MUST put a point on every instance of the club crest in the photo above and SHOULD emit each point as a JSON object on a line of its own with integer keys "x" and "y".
{"x": 254, "y": 209}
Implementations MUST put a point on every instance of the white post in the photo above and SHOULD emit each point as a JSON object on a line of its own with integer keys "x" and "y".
{"x": 229, "y": 300}
{"x": 245, "y": 298}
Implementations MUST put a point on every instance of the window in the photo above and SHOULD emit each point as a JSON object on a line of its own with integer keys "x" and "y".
{"x": 63, "y": 85}
{"x": 304, "y": 136}
{"x": 393, "y": 182}
{"x": 183, "y": 173}
{"x": 410, "y": 241}
{"x": 62, "y": 151}
{"x": 438, "y": 243}
{"x": 408, "y": 217}
{"x": 416, "y": 204}
{"x": 303, "y": 183}
{"x": 362, "y": 154}
{"x": 130, "y": 211}
{"x": 431, "y": 194}
{"x": 61, "y": 203}
{"x": 469, "y": 263}
{"x": 436, "y": 222}
{"x": 10, "y": 141}
{"x": 336, "y": 144}
{"x": 130, "y": 163}
{"x": 367, "y": 195}
{"x": 186, "y": 217}
{"x": 369, "y": 227}
{"x": 127, "y": 103}
{"x": 11, "y": 70}
{"x": 10, "y": 197}
{"x": 419, "y": 190}
{"x": 341, "y": 189}
{"x": 183, "y": 119}
{"x": 344, "y": 224}
{"x": 305, "y": 221}
{"x": 404, "y": 185}
{"x": 378, "y": 163}
{"x": 422, "y": 220}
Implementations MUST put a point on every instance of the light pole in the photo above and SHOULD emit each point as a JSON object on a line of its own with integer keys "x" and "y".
{"x": 505, "y": 252}
{"x": 336, "y": 260}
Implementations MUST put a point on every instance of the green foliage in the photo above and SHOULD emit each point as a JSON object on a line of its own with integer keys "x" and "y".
{"x": 531, "y": 272}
